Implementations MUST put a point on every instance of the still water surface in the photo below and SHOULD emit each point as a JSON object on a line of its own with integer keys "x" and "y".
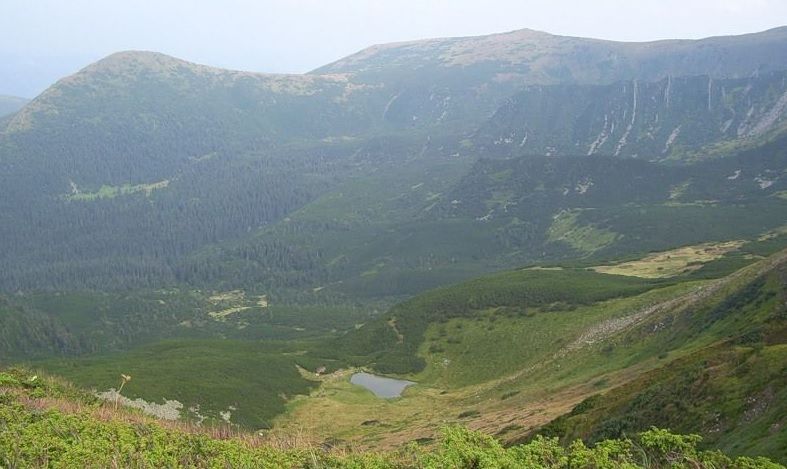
{"x": 380, "y": 385}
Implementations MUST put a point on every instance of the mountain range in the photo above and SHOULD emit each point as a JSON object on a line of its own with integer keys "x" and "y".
{"x": 552, "y": 235}
{"x": 156, "y": 166}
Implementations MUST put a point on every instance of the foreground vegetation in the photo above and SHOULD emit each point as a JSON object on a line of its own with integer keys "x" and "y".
{"x": 247, "y": 381}
{"x": 47, "y": 423}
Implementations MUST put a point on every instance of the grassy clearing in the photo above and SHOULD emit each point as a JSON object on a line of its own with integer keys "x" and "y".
{"x": 774, "y": 233}
{"x": 673, "y": 262}
{"x": 221, "y": 315}
{"x": 586, "y": 238}
{"x": 109, "y": 192}
{"x": 232, "y": 296}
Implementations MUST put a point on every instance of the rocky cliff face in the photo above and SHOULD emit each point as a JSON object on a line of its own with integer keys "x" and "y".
{"x": 682, "y": 117}
{"x": 565, "y": 95}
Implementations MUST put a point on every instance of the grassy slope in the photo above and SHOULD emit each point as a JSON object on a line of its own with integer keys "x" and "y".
{"x": 251, "y": 380}
{"x": 512, "y": 342}
{"x": 517, "y": 383}
{"x": 47, "y": 423}
{"x": 546, "y": 360}
{"x": 529, "y": 325}
{"x": 512, "y": 293}
{"x": 521, "y": 322}
{"x": 728, "y": 383}
{"x": 734, "y": 395}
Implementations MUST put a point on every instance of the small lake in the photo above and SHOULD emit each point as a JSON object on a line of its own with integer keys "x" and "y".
{"x": 380, "y": 385}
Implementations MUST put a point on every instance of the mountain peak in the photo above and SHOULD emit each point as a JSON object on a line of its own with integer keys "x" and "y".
{"x": 443, "y": 49}
{"x": 138, "y": 54}
{"x": 134, "y": 60}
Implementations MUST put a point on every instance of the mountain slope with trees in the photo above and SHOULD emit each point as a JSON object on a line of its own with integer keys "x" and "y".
{"x": 190, "y": 225}
{"x": 142, "y": 169}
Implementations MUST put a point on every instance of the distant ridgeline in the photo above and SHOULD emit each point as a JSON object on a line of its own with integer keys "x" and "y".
{"x": 372, "y": 176}
{"x": 11, "y": 104}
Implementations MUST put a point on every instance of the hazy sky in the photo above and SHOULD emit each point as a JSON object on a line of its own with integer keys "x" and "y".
{"x": 42, "y": 40}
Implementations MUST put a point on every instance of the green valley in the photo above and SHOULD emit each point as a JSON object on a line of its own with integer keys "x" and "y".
{"x": 575, "y": 249}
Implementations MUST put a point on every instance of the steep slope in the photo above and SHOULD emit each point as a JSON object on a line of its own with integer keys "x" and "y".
{"x": 443, "y": 80}
{"x": 730, "y": 393}
{"x": 149, "y": 115}
{"x": 425, "y": 229}
{"x": 672, "y": 118}
{"x": 139, "y": 149}
{"x": 143, "y": 169}
{"x": 731, "y": 390}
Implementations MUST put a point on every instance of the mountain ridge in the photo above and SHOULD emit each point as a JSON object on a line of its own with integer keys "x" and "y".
{"x": 508, "y": 47}
{"x": 124, "y": 56}
{"x": 141, "y": 132}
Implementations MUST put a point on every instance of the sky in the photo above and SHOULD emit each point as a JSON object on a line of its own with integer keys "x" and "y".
{"x": 44, "y": 40}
